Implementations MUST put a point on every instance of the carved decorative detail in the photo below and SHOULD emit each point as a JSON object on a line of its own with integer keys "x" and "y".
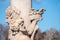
{"x": 17, "y": 29}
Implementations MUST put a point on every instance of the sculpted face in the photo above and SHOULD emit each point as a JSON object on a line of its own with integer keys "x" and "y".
{"x": 36, "y": 15}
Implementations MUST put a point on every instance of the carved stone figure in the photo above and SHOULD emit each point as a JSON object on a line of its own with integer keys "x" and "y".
{"x": 22, "y": 20}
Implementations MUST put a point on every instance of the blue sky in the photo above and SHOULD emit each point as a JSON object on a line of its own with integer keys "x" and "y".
{"x": 51, "y": 17}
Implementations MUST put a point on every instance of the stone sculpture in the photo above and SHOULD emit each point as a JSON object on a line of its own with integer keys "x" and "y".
{"x": 22, "y": 20}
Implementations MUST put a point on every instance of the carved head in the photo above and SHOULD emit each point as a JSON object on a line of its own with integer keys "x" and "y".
{"x": 36, "y": 15}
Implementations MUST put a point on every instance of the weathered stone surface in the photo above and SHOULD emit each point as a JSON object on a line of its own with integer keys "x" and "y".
{"x": 22, "y": 20}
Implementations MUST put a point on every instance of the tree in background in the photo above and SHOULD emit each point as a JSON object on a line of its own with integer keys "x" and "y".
{"x": 51, "y": 34}
{"x": 3, "y": 32}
